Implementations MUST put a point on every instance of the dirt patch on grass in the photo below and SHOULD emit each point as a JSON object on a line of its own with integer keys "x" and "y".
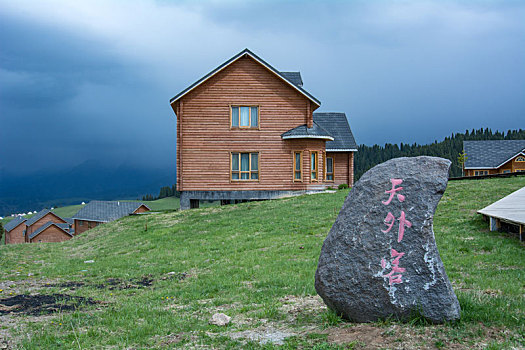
{"x": 294, "y": 305}
{"x": 39, "y": 304}
{"x": 370, "y": 336}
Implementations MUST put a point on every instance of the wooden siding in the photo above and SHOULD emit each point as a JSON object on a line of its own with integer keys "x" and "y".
{"x": 40, "y": 222}
{"x": 16, "y": 235}
{"x": 86, "y": 225}
{"x": 343, "y": 168}
{"x": 141, "y": 209}
{"x": 51, "y": 234}
{"x": 205, "y": 138}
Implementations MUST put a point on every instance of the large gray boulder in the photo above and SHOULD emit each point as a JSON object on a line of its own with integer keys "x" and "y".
{"x": 380, "y": 258}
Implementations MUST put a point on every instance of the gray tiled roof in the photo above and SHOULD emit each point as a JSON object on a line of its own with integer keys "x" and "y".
{"x": 105, "y": 211}
{"x": 14, "y": 223}
{"x": 37, "y": 217}
{"x": 63, "y": 227}
{"x": 491, "y": 154}
{"x": 294, "y": 77}
{"x": 337, "y": 125}
{"x": 316, "y": 131}
{"x": 69, "y": 220}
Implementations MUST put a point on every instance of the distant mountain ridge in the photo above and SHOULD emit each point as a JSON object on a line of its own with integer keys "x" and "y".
{"x": 86, "y": 181}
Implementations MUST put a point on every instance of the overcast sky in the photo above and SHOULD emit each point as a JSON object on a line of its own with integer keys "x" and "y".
{"x": 92, "y": 79}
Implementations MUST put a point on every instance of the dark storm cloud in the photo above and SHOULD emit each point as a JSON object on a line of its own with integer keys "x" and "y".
{"x": 92, "y": 79}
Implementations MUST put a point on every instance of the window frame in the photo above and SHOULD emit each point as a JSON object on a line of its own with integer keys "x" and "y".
{"x": 520, "y": 159}
{"x": 249, "y": 117}
{"x": 250, "y": 171}
{"x": 294, "y": 163}
{"x": 316, "y": 170}
{"x": 326, "y": 173}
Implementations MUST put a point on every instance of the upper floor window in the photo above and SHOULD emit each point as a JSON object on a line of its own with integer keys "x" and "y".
{"x": 314, "y": 166}
{"x": 244, "y": 166}
{"x": 520, "y": 159}
{"x": 244, "y": 117}
{"x": 298, "y": 166}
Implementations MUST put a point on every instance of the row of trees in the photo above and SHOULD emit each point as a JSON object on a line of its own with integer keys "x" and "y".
{"x": 166, "y": 191}
{"x": 450, "y": 148}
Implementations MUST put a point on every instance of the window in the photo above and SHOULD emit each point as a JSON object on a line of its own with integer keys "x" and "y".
{"x": 520, "y": 159}
{"x": 329, "y": 169}
{"x": 506, "y": 171}
{"x": 314, "y": 165}
{"x": 80, "y": 223}
{"x": 298, "y": 166}
{"x": 244, "y": 117}
{"x": 244, "y": 166}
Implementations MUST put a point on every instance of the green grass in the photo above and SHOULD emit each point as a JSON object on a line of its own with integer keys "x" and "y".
{"x": 243, "y": 260}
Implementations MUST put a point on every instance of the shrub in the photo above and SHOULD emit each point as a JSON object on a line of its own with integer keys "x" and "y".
{"x": 342, "y": 186}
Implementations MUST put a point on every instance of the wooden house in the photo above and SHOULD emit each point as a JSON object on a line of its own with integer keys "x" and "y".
{"x": 246, "y": 131}
{"x": 98, "y": 212}
{"x": 40, "y": 219}
{"x": 14, "y": 230}
{"x": 494, "y": 157}
{"x": 44, "y": 226}
{"x": 51, "y": 232}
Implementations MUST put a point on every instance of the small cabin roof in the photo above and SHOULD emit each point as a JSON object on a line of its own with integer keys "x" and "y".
{"x": 491, "y": 154}
{"x": 14, "y": 223}
{"x": 337, "y": 125}
{"x": 290, "y": 78}
{"x": 105, "y": 211}
{"x": 42, "y": 228}
{"x": 304, "y": 132}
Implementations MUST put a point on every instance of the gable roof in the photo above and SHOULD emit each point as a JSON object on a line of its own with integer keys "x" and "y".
{"x": 303, "y": 132}
{"x": 491, "y": 154}
{"x": 241, "y": 54}
{"x": 294, "y": 77}
{"x": 337, "y": 125}
{"x": 39, "y": 216}
{"x": 14, "y": 223}
{"x": 105, "y": 211}
{"x": 41, "y": 229}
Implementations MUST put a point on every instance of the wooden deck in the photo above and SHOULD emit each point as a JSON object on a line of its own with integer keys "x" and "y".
{"x": 510, "y": 209}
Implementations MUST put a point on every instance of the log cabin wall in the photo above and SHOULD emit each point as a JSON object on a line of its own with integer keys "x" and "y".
{"x": 205, "y": 138}
{"x": 16, "y": 235}
{"x": 51, "y": 234}
{"x": 40, "y": 222}
{"x": 82, "y": 226}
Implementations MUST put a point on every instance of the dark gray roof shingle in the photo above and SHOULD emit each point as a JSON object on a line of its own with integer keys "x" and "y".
{"x": 105, "y": 211}
{"x": 293, "y": 77}
{"x": 492, "y": 153}
{"x": 316, "y": 131}
{"x": 37, "y": 216}
{"x": 14, "y": 223}
{"x": 337, "y": 125}
{"x": 63, "y": 227}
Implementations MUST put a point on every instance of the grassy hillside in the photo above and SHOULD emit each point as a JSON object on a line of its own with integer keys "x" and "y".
{"x": 255, "y": 262}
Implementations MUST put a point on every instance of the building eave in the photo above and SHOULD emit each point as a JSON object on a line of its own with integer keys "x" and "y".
{"x": 329, "y": 138}
{"x": 341, "y": 150}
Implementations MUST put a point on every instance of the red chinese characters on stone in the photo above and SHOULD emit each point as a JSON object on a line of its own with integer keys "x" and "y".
{"x": 392, "y": 278}
{"x": 400, "y": 197}
{"x": 395, "y": 275}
